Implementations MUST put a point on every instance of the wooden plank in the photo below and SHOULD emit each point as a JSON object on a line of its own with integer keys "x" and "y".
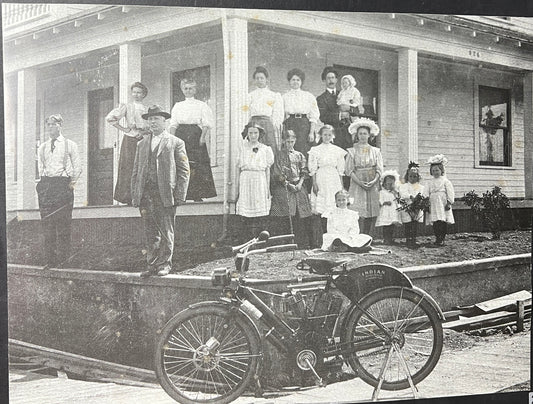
{"x": 464, "y": 321}
{"x": 485, "y": 320}
{"x": 504, "y": 301}
{"x": 77, "y": 363}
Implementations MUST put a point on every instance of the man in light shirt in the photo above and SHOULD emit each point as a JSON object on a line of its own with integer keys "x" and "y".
{"x": 59, "y": 169}
{"x": 191, "y": 121}
{"x": 158, "y": 184}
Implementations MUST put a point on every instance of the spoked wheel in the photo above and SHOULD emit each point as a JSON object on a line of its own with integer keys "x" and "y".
{"x": 207, "y": 355}
{"x": 411, "y": 347}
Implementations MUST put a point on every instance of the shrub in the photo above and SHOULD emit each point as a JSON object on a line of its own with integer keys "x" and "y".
{"x": 489, "y": 208}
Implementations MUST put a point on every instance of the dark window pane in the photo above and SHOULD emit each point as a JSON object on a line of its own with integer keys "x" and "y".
{"x": 494, "y": 125}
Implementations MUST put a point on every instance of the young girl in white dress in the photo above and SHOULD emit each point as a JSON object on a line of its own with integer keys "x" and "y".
{"x": 388, "y": 216}
{"x": 441, "y": 197}
{"x": 408, "y": 191}
{"x": 253, "y": 178}
{"x": 326, "y": 167}
{"x": 343, "y": 228}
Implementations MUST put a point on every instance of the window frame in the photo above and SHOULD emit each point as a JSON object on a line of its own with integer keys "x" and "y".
{"x": 508, "y": 163}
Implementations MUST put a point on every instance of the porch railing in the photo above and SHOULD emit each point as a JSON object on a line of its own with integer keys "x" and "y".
{"x": 14, "y": 14}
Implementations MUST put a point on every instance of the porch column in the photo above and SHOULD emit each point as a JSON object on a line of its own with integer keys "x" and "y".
{"x": 129, "y": 69}
{"x": 528, "y": 135}
{"x": 407, "y": 106}
{"x": 129, "y": 73}
{"x": 26, "y": 140}
{"x": 237, "y": 57}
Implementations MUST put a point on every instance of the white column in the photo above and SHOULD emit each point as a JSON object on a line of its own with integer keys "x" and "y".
{"x": 130, "y": 69}
{"x": 129, "y": 73}
{"x": 407, "y": 106}
{"x": 237, "y": 57}
{"x": 26, "y": 139}
{"x": 528, "y": 135}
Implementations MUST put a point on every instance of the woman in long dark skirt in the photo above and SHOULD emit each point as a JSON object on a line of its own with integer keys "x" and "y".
{"x": 134, "y": 130}
{"x": 191, "y": 121}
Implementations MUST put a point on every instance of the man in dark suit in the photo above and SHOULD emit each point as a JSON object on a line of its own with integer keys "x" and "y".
{"x": 329, "y": 110}
{"x": 158, "y": 184}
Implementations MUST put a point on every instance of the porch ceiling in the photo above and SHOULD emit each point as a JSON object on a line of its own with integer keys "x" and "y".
{"x": 393, "y": 32}
{"x": 139, "y": 24}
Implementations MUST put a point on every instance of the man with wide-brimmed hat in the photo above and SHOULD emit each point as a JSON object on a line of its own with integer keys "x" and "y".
{"x": 59, "y": 169}
{"x": 158, "y": 184}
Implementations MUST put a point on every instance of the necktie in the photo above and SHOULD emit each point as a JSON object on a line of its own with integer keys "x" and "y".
{"x": 53, "y": 145}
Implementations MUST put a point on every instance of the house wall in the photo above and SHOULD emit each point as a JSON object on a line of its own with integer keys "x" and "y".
{"x": 447, "y": 112}
{"x": 447, "y": 123}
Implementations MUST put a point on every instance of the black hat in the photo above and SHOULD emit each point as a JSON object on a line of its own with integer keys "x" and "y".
{"x": 155, "y": 110}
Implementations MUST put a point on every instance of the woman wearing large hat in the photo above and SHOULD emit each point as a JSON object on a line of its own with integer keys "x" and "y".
{"x": 364, "y": 165}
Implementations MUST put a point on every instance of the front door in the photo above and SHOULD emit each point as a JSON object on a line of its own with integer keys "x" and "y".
{"x": 101, "y": 144}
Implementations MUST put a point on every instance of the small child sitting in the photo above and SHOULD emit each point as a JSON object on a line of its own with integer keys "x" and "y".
{"x": 388, "y": 214}
{"x": 350, "y": 98}
{"x": 343, "y": 228}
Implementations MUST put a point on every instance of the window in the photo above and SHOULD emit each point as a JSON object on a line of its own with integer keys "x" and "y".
{"x": 201, "y": 75}
{"x": 368, "y": 85}
{"x": 494, "y": 127}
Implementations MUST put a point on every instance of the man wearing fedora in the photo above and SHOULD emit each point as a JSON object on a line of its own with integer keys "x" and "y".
{"x": 59, "y": 169}
{"x": 159, "y": 183}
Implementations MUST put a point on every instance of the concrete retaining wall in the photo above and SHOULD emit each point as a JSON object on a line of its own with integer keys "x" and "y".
{"x": 116, "y": 316}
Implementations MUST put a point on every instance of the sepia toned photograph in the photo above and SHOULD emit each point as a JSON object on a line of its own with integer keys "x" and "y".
{"x": 265, "y": 205}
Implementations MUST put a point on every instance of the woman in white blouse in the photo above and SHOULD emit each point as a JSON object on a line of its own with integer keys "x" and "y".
{"x": 134, "y": 130}
{"x": 301, "y": 112}
{"x": 191, "y": 121}
{"x": 265, "y": 108}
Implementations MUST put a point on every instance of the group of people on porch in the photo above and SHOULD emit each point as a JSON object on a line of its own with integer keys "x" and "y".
{"x": 307, "y": 163}
{"x": 319, "y": 174}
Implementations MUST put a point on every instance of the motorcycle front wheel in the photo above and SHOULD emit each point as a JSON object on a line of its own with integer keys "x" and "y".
{"x": 207, "y": 355}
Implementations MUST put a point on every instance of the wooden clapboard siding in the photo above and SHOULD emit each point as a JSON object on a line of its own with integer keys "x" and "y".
{"x": 447, "y": 125}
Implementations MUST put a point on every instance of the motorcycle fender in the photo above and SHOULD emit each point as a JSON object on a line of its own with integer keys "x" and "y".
{"x": 360, "y": 281}
{"x": 433, "y": 302}
{"x": 229, "y": 307}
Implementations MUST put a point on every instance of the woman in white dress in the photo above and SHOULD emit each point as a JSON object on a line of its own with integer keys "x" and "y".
{"x": 134, "y": 130}
{"x": 265, "y": 107}
{"x": 343, "y": 228}
{"x": 301, "y": 112}
{"x": 253, "y": 178}
{"x": 364, "y": 165}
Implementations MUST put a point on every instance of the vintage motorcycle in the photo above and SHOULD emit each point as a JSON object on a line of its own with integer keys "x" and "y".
{"x": 369, "y": 317}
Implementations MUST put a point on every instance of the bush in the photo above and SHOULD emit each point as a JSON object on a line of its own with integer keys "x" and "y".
{"x": 489, "y": 208}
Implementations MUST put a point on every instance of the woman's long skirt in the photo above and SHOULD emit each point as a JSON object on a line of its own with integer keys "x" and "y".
{"x": 201, "y": 184}
{"x": 125, "y": 169}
